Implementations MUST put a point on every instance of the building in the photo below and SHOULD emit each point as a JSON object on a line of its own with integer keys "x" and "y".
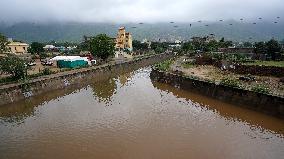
{"x": 18, "y": 47}
{"x": 123, "y": 44}
{"x": 123, "y": 40}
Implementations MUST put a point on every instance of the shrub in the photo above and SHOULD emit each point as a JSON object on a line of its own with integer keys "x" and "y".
{"x": 164, "y": 66}
{"x": 260, "y": 88}
{"x": 230, "y": 82}
{"x": 46, "y": 71}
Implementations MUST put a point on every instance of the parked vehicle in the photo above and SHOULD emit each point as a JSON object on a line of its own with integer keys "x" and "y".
{"x": 47, "y": 62}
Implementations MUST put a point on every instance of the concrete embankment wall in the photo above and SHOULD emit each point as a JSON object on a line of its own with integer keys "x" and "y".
{"x": 19, "y": 91}
{"x": 268, "y": 104}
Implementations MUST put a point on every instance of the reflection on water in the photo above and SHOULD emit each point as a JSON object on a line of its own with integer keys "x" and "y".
{"x": 130, "y": 116}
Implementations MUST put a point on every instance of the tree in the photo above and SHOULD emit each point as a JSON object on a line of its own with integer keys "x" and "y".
{"x": 260, "y": 48}
{"x": 137, "y": 45}
{"x": 159, "y": 47}
{"x": 13, "y": 65}
{"x": 102, "y": 46}
{"x": 247, "y": 44}
{"x": 187, "y": 47}
{"x": 36, "y": 48}
{"x": 3, "y": 43}
{"x": 212, "y": 46}
{"x": 273, "y": 47}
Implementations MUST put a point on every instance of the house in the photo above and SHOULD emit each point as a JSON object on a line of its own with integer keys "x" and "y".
{"x": 123, "y": 44}
{"x": 18, "y": 47}
{"x": 123, "y": 40}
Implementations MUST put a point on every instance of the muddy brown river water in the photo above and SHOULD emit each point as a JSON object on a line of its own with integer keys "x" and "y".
{"x": 132, "y": 117}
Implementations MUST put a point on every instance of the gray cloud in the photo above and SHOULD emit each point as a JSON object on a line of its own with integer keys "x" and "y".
{"x": 137, "y": 10}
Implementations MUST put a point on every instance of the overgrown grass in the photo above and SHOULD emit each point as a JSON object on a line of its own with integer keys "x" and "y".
{"x": 260, "y": 88}
{"x": 164, "y": 66}
{"x": 266, "y": 63}
{"x": 230, "y": 82}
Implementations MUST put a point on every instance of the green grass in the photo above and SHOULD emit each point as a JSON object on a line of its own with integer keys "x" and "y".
{"x": 266, "y": 63}
{"x": 187, "y": 65}
{"x": 164, "y": 66}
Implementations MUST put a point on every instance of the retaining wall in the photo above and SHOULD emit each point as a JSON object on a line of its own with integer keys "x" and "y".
{"x": 19, "y": 91}
{"x": 265, "y": 103}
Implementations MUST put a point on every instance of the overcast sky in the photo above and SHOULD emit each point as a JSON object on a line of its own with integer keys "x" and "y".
{"x": 137, "y": 10}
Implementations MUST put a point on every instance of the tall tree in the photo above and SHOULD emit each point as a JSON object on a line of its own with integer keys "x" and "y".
{"x": 273, "y": 47}
{"x": 3, "y": 43}
{"x": 102, "y": 46}
{"x": 36, "y": 48}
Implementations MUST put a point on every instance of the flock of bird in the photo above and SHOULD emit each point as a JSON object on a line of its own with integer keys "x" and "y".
{"x": 221, "y": 20}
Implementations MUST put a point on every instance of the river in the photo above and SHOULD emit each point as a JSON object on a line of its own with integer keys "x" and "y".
{"x": 132, "y": 117}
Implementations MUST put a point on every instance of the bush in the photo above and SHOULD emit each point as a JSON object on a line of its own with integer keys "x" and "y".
{"x": 230, "y": 82}
{"x": 46, "y": 71}
{"x": 260, "y": 88}
{"x": 164, "y": 66}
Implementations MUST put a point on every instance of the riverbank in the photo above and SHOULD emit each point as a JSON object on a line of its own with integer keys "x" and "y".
{"x": 262, "y": 102}
{"x": 18, "y": 91}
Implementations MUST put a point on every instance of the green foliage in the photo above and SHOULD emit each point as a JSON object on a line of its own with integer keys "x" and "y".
{"x": 188, "y": 46}
{"x": 273, "y": 47}
{"x": 7, "y": 80}
{"x": 230, "y": 82}
{"x": 102, "y": 46}
{"x": 3, "y": 43}
{"x": 260, "y": 47}
{"x": 36, "y": 48}
{"x": 46, "y": 71}
{"x": 159, "y": 47}
{"x": 137, "y": 45}
{"x": 248, "y": 44}
{"x": 260, "y": 88}
{"x": 14, "y": 66}
{"x": 212, "y": 46}
{"x": 164, "y": 66}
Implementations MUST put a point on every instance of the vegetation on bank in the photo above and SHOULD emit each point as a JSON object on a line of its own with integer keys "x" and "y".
{"x": 164, "y": 66}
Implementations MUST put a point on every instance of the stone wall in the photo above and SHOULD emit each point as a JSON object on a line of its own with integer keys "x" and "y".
{"x": 268, "y": 104}
{"x": 19, "y": 91}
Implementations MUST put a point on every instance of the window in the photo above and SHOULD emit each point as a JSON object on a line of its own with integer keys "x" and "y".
{"x": 24, "y": 48}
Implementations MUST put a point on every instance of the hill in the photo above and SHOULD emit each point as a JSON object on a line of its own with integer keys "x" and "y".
{"x": 73, "y": 32}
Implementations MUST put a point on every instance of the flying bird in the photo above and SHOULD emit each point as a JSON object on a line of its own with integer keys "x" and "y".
{"x": 278, "y": 17}
{"x": 221, "y": 20}
{"x": 176, "y": 26}
{"x": 199, "y": 21}
{"x": 275, "y": 22}
{"x": 190, "y": 25}
{"x": 241, "y": 19}
{"x": 231, "y": 24}
{"x": 134, "y": 27}
{"x": 259, "y": 18}
{"x": 172, "y": 22}
{"x": 254, "y": 23}
{"x": 141, "y": 23}
{"x": 206, "y": 25}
